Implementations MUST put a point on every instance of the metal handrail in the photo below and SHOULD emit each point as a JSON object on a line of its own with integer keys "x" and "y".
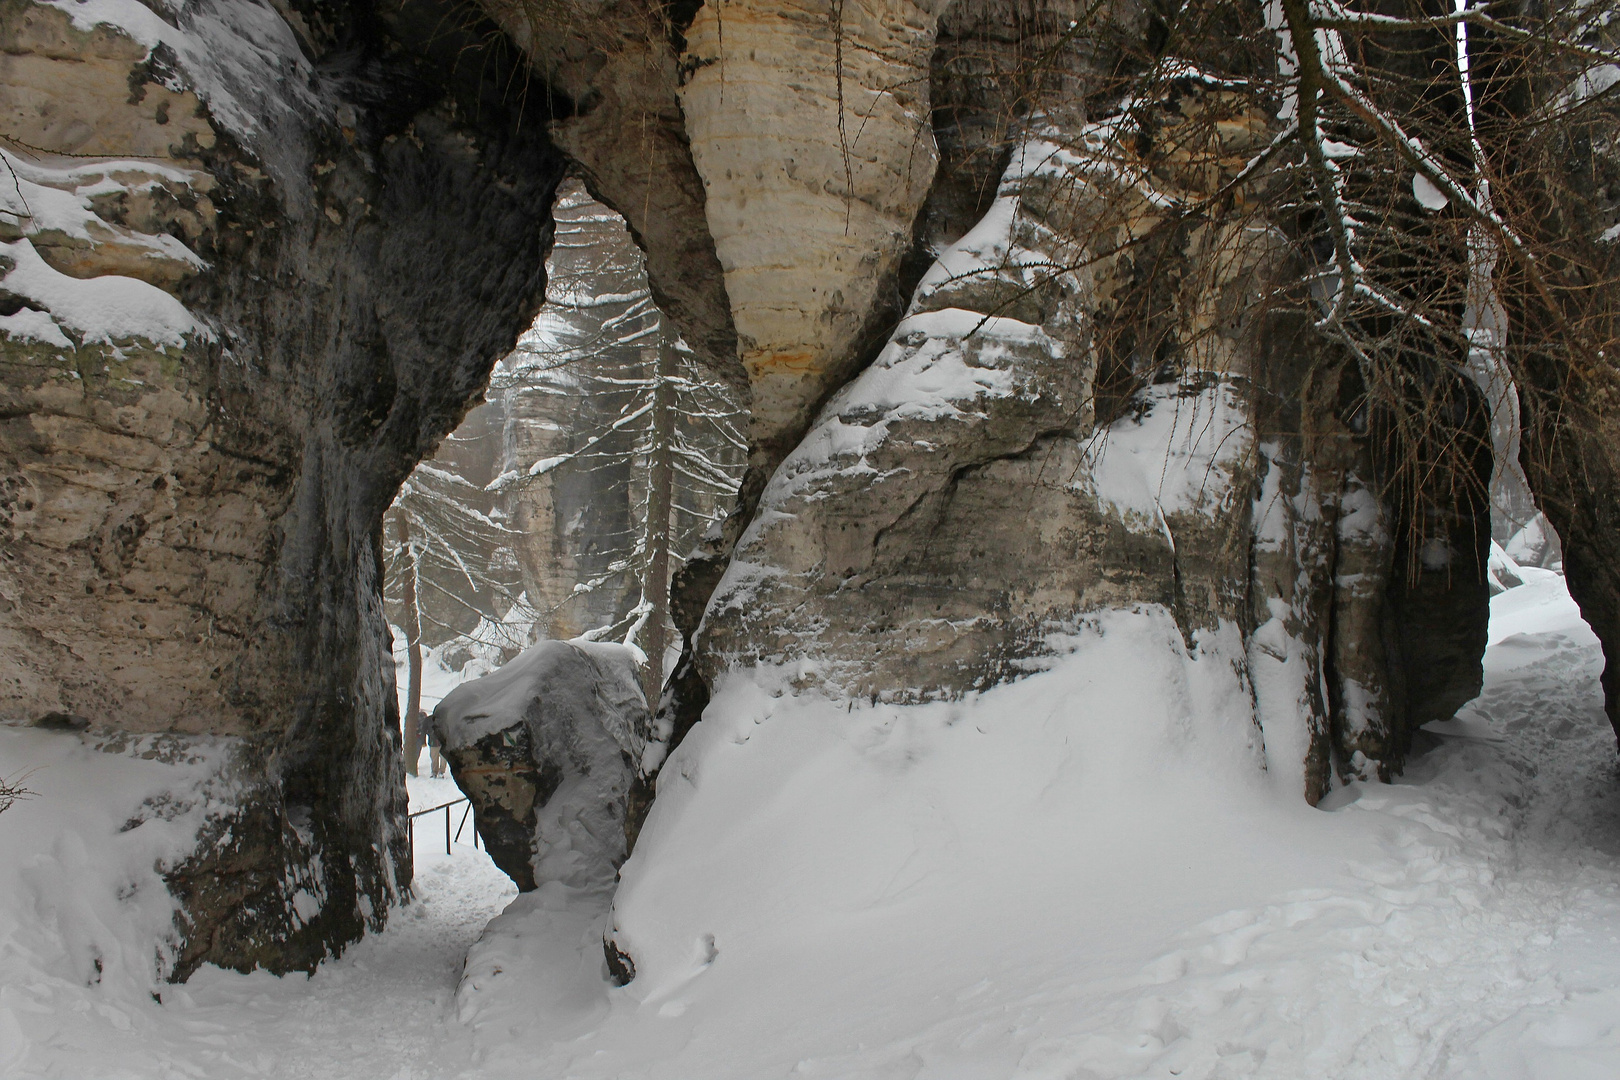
{"x": 441, "y": 806}
{"x": 410, "y": 819}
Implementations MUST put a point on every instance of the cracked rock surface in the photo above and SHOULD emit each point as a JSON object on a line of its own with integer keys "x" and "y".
{"x": 255, "y": 268}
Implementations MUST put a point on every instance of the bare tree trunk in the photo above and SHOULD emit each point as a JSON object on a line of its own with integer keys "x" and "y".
{"x": 413, "y": 638}
{"x": 660, "y": 491}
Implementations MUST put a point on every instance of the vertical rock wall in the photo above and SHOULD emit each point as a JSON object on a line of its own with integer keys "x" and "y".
{"x": 958, "y": 505}
{"x": 340, "y": 226}
{"x": 1561, "y": 330}
{"x": 1144, "y": 424}
{"x": 810, "y": 125}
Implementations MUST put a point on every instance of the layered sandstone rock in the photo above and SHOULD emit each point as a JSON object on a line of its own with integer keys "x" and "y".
{"x": 1094, "y": 404}
{"x": 279, "y": 279}
{"x": 314, "y": 231}
{"x": 959, "y": 506}
{"x": 810, "y": 126}
{"x": 611, "y": 76}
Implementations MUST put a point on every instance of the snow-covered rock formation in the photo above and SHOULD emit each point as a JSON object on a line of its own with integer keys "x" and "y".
{"x": 307, "y": 230}
{"x": 959, "y": 503}
{"x": 1017, "y": 461}
{"x": 547, "y": 749}
{"x": 255, "y": 265}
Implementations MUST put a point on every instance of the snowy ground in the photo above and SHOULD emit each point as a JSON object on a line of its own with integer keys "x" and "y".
{"x": 385, "y": 1010}
{"x": 1078, "y": 876}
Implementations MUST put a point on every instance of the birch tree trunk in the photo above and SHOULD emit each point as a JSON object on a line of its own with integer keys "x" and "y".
{"x": 660, "y": 491}
{"x": 413, "y": 638}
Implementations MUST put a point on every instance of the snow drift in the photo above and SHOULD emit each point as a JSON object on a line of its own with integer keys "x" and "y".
{"x": 88, "y": 926}
{"x": 1088, "y": 874}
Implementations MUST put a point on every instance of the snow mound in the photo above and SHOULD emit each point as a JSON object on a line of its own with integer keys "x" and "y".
{"x": 1084, "y": 874}
{"x": 87, "y": 931}
{"x": 1080, "y": 876}
{"x": 576, "y": 679}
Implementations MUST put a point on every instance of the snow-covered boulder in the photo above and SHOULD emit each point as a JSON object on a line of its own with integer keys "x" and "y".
{"x": 547, "y": 748}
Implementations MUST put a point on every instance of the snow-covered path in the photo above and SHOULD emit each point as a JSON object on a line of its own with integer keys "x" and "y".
{"x": 885, "y": 894}
{"x": 1482, "y": 940}
{"x": 1462, "y": 923}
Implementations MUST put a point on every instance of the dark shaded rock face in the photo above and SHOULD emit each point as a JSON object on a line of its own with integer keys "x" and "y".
{"x": 546, "y": 749}
{"x": 1563, "y": 357}
{"x": 1350, "y": 628}
{"x": 192, "y": 512}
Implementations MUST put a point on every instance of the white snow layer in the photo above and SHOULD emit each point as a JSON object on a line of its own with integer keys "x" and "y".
{"x": 43, "y": 198}
{"x": 86, "y": 922}
{"x": 579, "y": 704}
{"x": 73, "y": 887}
{"x": 548, "y": 671}
{"x": 1176, "y": 455}
{"x": 240, "y": 57}
{"x": 108, "y": 309}
{"x": 1079, "y": 875}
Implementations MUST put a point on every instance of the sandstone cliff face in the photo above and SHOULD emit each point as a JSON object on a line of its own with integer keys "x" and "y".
{"x": 610, "y": 72}
{"x": 308, "y": 234}
{"x": 219, "y": 362}
{"x": 810, "y": 125}
{"x": 1110, "y": 394}
{"x": 957, "y": 505}
{"x": 1135, "y": 427}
